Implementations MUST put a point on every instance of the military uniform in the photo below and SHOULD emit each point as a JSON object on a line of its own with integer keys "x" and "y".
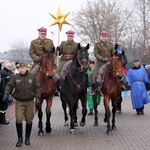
{"x": 26, "y": 88}
{"x": 36, "y": 48}
{"x": 36, "y": 51}
{"x": 101, "y": 50}
{"x": 67, "y": 50}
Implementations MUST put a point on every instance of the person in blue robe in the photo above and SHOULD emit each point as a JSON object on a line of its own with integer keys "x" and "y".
{"x": 137, "y": 78}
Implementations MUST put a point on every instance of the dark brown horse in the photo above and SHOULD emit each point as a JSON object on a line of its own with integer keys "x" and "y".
{"x": 44, "y": 76}
{"x": 75, "y": 87}
{"x": 111, "y": 88}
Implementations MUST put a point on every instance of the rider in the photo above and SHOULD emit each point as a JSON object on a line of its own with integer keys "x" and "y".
{"x": 103, "y": 51}
{"x": 66, "y": 50}
{"x": 119, "y": 50}
{"x": 36, "y": 51}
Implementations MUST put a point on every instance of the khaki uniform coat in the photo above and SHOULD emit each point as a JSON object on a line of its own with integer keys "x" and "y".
{"x": 101, "y": 50}
{"x": 36, "y": 48}
{"x": 67, "y": 50}
{"x": 26, "y": 87}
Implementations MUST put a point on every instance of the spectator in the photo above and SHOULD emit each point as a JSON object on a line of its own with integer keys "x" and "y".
{"x": 5, "y": 77}
{"x": 136, "y": 78}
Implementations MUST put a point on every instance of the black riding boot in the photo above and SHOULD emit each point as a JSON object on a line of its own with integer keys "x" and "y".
{"x": 19, "y": 133}
{"x": 28, "y": 133}
{"x": 58, "y": 83}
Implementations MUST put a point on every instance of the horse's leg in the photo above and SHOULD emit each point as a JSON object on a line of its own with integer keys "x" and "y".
{"x": 75, "y": 113}
{"x": 113, "y": 117}
{"x": 84, "y": 111}
{"x": 71, "y": 107}
{"x": 95, "y": 110}
{"x": 48, "y": 114}
{"x": 64, "y": 105}
{"x": 107, "y": 113}
{"x": 40, "y": 125}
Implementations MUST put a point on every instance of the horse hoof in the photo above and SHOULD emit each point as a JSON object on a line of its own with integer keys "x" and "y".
{"x": 109, "y": 132}
{"x": 75, "y": 124}
{"x": 72, "y": 131}
{"x": 48, "y": 129}
{"x": 66, "y": 123}
{"x": 105, "y": 120}
{"x": 40, "y": 133}
{"x": 82, "y": 123}
{"x": 95, "y": 123}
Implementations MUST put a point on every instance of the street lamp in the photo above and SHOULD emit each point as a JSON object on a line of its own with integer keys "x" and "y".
{"x": 52, "y": 35}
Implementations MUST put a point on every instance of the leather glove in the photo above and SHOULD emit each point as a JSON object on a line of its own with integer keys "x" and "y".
{"x": 37, "y": 102}
{"x": 38, "y": 60}
{"x": 4, "y": 99}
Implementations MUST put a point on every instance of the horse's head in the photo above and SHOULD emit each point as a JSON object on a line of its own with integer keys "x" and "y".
{"x": 47, "y": 63}
{"x": 83, "y": 57}
{"x": 117, "y": 65}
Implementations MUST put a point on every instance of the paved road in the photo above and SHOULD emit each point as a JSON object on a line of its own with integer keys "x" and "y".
{"x": 133, "y": 132}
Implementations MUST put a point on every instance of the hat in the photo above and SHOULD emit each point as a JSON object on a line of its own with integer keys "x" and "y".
{"x": 7, "y": 63}
{"x": 135, "y": 60}
{"x": 23, "y": 64}
{"x": 42, "y": 30}
{"x": 104, "y": 33}
{"x": 70, "y": 33}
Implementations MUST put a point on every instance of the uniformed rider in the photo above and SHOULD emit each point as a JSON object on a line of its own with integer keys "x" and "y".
{"x": 103, "y": 51}
{"x": 36, "y": 51}
{"x": 66, "y": 50}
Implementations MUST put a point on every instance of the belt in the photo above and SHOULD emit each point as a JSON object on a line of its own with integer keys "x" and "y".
{"x": 68, "y": 55}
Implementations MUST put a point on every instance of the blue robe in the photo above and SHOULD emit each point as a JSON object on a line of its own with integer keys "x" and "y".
{"x": 137, "y": 78}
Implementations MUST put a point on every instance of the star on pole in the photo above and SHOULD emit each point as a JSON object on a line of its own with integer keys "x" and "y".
{"x": 59, "y": 18}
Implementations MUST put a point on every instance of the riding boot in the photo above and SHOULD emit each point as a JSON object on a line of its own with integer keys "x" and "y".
{"x": 58, "y": 83}
{"x": 93, "y": 87}
{"x": 19, "y": 133}
{"x": 28, "y": 133}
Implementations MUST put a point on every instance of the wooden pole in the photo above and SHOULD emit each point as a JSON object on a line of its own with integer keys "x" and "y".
{"x": 58, "y": 45}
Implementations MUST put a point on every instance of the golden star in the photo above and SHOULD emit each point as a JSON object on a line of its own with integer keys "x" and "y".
{"x": 59, "y": 18}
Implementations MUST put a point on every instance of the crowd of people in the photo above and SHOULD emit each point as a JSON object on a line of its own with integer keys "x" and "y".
{"x": 18, "y": 82}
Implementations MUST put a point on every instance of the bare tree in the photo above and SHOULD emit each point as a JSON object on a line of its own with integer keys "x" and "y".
{"x": 143, "y": 28}
{"x": 98, "y": 15}
{"x": 20, "y": 51}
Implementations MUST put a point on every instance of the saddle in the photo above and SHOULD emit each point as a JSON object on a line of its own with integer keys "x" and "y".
{"x": 65, "y": 69}
{"x": 35, "y": 68}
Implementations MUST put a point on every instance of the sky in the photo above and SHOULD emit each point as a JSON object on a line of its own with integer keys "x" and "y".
{"x": 20, "y": 20}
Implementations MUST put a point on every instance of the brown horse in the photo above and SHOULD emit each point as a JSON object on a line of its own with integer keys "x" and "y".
{"x": 44, "y": 76}
{"x": 111, "y": 88}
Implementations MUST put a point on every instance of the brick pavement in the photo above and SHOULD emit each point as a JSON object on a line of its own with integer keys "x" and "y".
{"x": 132, "y": 132}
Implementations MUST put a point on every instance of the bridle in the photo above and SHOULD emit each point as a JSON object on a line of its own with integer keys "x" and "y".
{"x": 116, "y": 73}
{"x": 79, "y": 69}
{"x": 43, "y": 66}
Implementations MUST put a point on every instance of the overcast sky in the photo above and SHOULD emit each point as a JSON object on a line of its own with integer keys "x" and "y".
{"x": 20, "y": 19}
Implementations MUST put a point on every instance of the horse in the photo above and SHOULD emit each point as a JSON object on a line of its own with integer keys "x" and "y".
{"x": 48, "y": 87}
{"x": 110, "y": 88}
{"x": 74, "y": 87}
